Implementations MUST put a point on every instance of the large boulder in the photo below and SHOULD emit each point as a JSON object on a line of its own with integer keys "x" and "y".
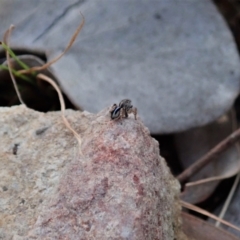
{"x": 119, "y": 188}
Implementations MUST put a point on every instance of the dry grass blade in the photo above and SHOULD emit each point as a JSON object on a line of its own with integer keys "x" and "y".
{"x": 209, "y": 179}
{"x": 208, "y": 214}
{"x": 62, "y": 103}
{"x": 45, "y": 78}
{"x": 72, "y": 40}
{"x": 6, "y": 41}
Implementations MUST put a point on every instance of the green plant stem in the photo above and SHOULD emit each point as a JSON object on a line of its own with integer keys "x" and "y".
{"x": 16, "y": 73}
{"x": 12, "y": 54}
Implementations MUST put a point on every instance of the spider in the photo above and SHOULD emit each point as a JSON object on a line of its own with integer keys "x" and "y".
{"x": 122, "y": 110}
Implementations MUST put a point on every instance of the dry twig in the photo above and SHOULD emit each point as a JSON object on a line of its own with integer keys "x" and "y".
{"x": 237, "y": 179}
{"x": 212, "y": 154}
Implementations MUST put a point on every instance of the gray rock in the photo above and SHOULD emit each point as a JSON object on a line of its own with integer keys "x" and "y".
{"x": 120, "y": 188}
{"x": 175, "y": 59}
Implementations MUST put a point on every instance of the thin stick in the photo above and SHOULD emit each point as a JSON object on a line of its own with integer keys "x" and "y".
{"x": 236, "y": 181}
{"x": 212, "y": 154}
{"x": 228, "y": 200}
{"x": 72, "y": 40}
{"x": 208, "y": 214}
{"x": 62, "y": 104}
{"x": 6, "y": 40}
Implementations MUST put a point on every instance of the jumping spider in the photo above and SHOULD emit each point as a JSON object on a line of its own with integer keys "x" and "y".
{"x": 122, "y": 110}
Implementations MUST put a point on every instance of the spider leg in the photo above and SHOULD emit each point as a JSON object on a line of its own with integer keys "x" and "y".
{"x": 122, "y": 113}
{"x": 126, "y": 112}
{"x": 134, "y": 111}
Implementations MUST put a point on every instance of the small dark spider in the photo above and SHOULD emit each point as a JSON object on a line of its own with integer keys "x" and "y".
{"x": 122, "y": 110}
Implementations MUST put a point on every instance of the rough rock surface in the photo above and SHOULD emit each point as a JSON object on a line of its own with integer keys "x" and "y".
{"x": 175, "y": 59}
{"x": 120, "y": 188}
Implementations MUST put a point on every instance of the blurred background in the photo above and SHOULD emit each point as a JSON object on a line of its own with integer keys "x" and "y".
{"x": 177, "y": 60}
